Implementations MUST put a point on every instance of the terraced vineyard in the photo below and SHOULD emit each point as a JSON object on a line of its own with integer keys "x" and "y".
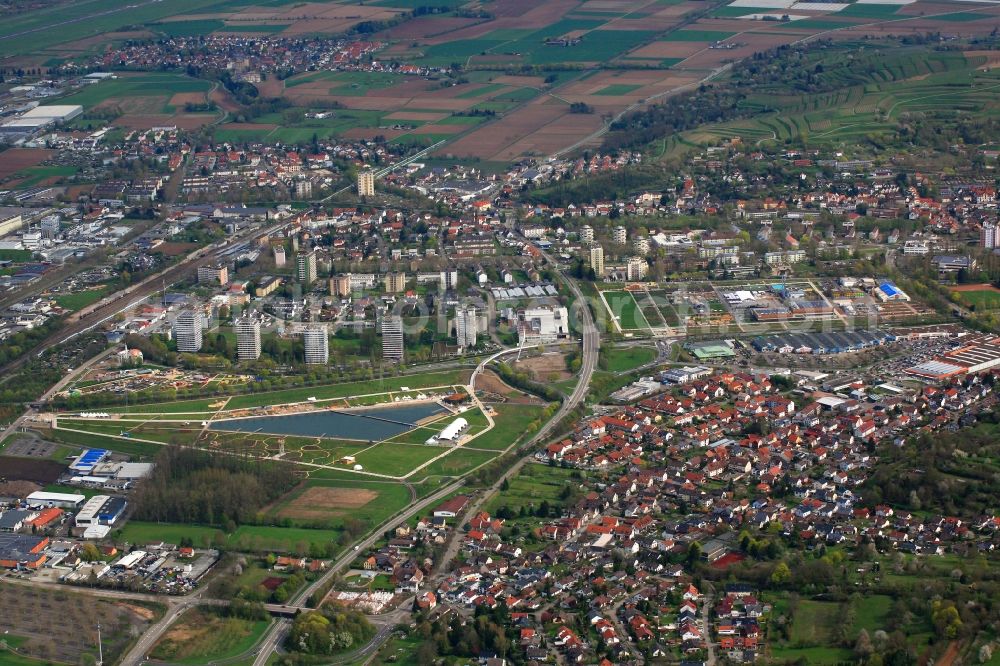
{"x": 868, "y": 98}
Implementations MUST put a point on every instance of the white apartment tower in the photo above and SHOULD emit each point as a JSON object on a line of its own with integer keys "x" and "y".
{"x": 316, "y": 344}
{"x": 392, "y": 338}
{"x": 586, "y": 234}
{"x": 636, "y": 269}
{"x": 466, "y": 326}
{"x": 187, "y": 331}
{"x": 619, "y": 235}
{"x": 597, "y": 260}
{"x": 366, "y": 183}
{"x": 989, "y": 237}
{"x": 247, "y": 339}
{"x": 305, "y": 267}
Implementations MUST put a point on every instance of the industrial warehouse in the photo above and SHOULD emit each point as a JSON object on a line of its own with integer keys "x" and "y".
{"x": 821, "y": 343}
{"x": 101, "y": 510}
{"x": 974, "y": 355}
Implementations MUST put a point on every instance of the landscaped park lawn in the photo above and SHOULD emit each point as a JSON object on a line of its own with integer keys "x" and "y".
{"x": 625, "y": 359}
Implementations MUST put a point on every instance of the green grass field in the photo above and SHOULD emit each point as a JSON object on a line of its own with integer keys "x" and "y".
{"x": 825, "y": 656}
{"x": 34, "y": 175}
{"x": 870, "y": 11}
{"x": 95, "y": 440}
{"x": 188, "y": 28}
{"x": 616, "y": 89}
{"x": 201, "y": 636}
{"x": 10, "y": 659}
{"x": 512, "y": 423}
{"x": 176, "y": 407}
{"x": 987, "y": 299}
{"x": 81, "y": 299}
{"x": 698, "y": 35}
{"x": 482, "y": 91}
{"x": 397, "y": 459}
{"x": 528, "y": 46}
{"x": 457, "y": 463}
{"x": 360, "y": 83}
{"x": 624, "y": 308}
{"x": 249, "y": 538}
{"x": 814, "y": 622}
{"x": 625, "y": 359}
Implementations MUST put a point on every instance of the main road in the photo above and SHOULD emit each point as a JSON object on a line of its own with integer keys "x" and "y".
{"x": 591, "y": 345}
{"x": 275, "y": 635}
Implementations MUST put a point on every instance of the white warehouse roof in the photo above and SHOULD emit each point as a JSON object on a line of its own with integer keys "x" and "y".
{"x": 60, "y": 498}
{"x": 41, "y": 116}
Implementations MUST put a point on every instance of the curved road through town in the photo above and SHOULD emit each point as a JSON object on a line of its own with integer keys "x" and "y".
{"x": 591, "y": 347}
{"x": 276, "y": 634}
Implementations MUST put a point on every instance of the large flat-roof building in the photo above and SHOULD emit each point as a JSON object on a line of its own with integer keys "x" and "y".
{"x": 86, "y": 461}
{"x": 978, "y": 354}
{"x": 101, "y": 510}
{"x": 22, "y": 551}
{"x": 62, "y": 500}
{"x": 41, "y": 117}
{"x": 11, "y": 219}
{"x": 543, "y": 324}
{"x": 704, "y": 351}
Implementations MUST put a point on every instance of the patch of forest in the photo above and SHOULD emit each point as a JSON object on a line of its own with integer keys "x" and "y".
{"x": 200, "y": 487}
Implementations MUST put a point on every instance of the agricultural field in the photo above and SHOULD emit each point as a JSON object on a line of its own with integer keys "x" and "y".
{"x": 30, "y": 613}
{"x": 656, "y": 48}
{"x": 143, "y": 100}
{"x": 21, "y": 160}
